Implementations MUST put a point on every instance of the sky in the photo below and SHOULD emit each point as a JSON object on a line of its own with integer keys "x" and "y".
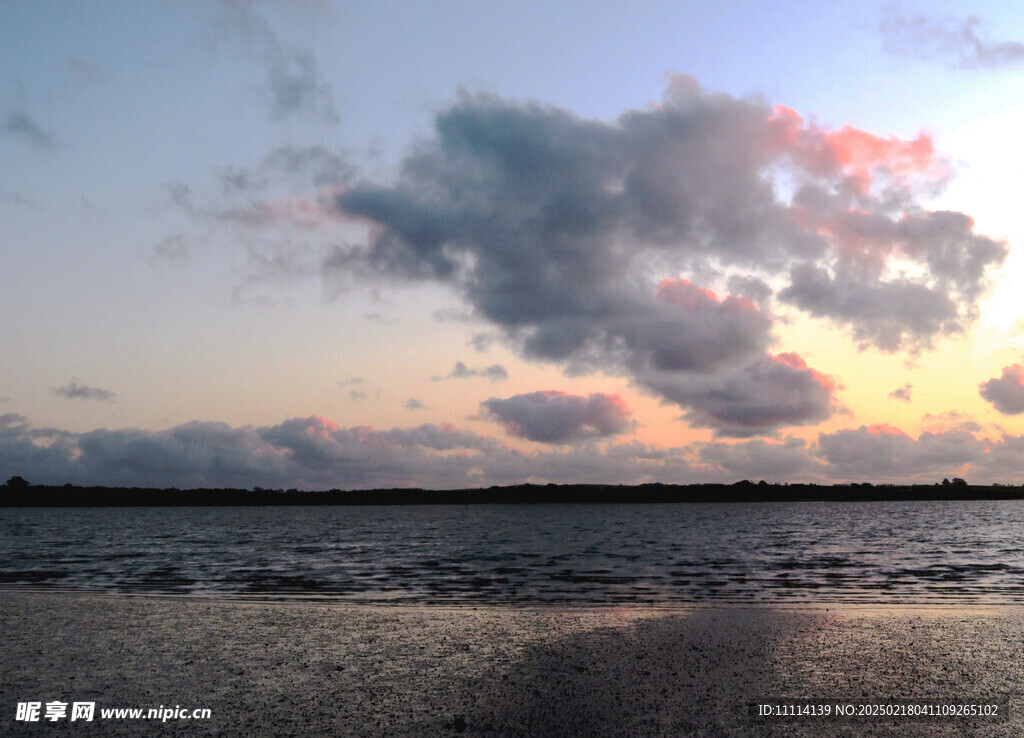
{"x": 443, "y": 244}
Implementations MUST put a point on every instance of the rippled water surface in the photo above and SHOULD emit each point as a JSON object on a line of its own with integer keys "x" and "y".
{"x": 874, "y": 552}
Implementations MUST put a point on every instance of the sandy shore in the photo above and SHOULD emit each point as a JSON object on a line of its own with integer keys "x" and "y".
{"x": 320, "y": 670}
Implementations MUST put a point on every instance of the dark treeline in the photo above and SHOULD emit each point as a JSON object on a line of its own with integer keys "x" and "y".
{"x": 22, "y": 494}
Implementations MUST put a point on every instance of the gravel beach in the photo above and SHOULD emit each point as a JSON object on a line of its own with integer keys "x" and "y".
{"x": 270, "y": 668}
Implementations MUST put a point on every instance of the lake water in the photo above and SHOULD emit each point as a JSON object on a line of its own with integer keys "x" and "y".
{"x": 819, "y": 552}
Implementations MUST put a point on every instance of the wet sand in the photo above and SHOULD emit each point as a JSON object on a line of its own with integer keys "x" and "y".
{"x": 348, "y": 670}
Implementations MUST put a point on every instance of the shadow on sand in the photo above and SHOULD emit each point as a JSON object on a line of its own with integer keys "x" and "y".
{"x": 702, "y": 673}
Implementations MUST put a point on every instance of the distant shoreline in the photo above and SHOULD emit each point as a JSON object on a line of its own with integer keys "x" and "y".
{"x": 532, "y": 494}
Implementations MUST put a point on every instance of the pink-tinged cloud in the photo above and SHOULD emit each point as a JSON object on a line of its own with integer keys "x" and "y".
{"x": 556, "y": 417}
{"x": 859, "y": 151}
{"x": 856, "y": 153}
{"x": 1006, "y": 393}
{"x": 796, "y": 361}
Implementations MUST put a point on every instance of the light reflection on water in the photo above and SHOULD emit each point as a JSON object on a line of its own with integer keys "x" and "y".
{"x": 870, "y": 552}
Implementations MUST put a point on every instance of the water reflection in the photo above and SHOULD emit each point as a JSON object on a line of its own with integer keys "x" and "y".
{"x": 877, "y": 552}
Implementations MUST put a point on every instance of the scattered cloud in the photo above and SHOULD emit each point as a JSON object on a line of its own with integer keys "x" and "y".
{"x": 85, "y": 71}
{"x": 256, "y": 202}
{"x": 172, "y": 249}
{"x": 902, "y": 393}
{"x": 293, "y": 83}
{"x": 360, "y": 395}
{"x": 413, "y": 404}
{"x": 960, "y": 43}
{"x": 21, "y": 126}
{"x": 305, "y": 166}
{"x": 494, "y": 372}
{"x": 75, "y": 391}
{"x": 1006, "y": 393}
{"x": 359, "y": 389}
{"x": 454, "y": 315}
{"x": 15, "y": 198}
{"x": 279, "y": 214}
{"x": 482, "y": 341}
{"x": 556, "y": 417}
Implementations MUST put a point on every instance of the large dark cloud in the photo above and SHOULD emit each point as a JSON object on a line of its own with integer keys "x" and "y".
{"x": 1006, "y": 392}
{"x": 561, "y": 232}
{"x": 956, "y": 42}
{"x": 556, "y": 417}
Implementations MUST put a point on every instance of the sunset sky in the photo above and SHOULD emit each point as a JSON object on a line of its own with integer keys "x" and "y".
{"x": 447, "y": 244}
